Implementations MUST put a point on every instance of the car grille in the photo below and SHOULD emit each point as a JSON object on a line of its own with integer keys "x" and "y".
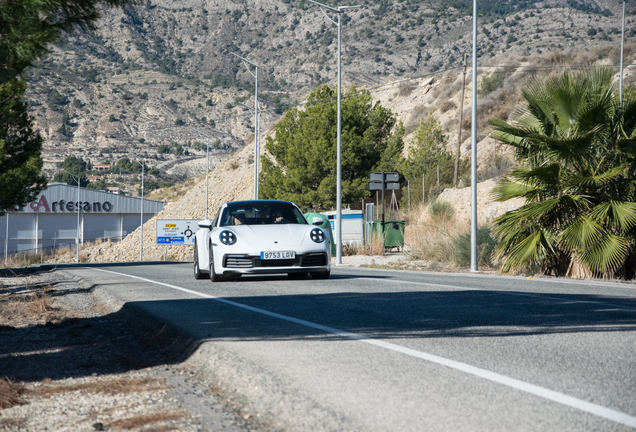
{"x": 246, "y": 261}
{"x": 311, "y": 260}
{"x": 238, "y": 261}
{"x": 277, "y": 263}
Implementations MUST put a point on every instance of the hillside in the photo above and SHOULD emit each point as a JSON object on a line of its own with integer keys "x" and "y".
{"x": 232, "y": 179}
{"x": 151, "y": 71}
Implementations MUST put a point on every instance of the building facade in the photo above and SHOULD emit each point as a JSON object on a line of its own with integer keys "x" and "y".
{"x": 52, "y": 219}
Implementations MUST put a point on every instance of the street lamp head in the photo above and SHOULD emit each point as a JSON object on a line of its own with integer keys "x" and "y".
{"x": 247, "y": 106}
{"x": 244, "y": 59}
{"x": 339, "y": 9}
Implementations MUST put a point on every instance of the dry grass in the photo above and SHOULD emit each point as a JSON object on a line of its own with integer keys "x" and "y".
{"x": 431, "y": 236}
{"x": 176, "y": 192}
{"x": 111, "y": 387}
{"x": 376, "y": 248}
{"x": 22, "y": 259}
{"x": 406, "y": 88}
{"x": 146, "y": 419}
{"x": 11, "y": 393}
{"x": 13, "y": 424}
{"x": 448, "y": 105}
{"x": 32, "y": 302}
{"x": 234, "y": 164}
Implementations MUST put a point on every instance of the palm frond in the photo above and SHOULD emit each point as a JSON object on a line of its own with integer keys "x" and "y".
{"x": 507, "y": 189}
{"x": 584, "y": 232}
{"x": 527, "y": 251}
{"x": 606, "y": 255}
{"x": 616, "y": 215}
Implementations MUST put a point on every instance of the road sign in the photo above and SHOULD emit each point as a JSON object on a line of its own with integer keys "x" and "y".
{"x": 387, "y": 186}
{"x": 176, "y": 231}
{"x": 376, "y": 176}
{"x": 391, "y": 177}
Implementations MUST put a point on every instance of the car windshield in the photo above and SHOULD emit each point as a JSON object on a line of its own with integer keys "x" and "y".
{"x": 261, "y": 213}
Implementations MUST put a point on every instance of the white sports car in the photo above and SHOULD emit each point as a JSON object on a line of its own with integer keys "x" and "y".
{"x": 260, "y": 237}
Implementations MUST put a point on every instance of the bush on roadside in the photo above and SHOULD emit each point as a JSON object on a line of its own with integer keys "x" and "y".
{"x": 485, "y": 248}
{"x": 441, "y": 210}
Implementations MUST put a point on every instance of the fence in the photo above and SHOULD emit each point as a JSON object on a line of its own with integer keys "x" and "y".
{"x": 59, "y": 253}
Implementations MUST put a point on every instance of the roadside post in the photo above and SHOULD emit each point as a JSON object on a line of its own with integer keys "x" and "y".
{"x": 368, "y": 223}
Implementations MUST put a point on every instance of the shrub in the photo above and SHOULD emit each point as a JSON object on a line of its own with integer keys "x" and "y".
{"x": 441, "y": 210}
{"x": 485, "y": 248}
{"x": 494, "y": 167}
{"x": 491, "y": 83}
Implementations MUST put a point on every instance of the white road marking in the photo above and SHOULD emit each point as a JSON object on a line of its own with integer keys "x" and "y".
{"x": 607, "y": 413}
{"x": 595, "y": 284}
{"x": 513, "y": 293}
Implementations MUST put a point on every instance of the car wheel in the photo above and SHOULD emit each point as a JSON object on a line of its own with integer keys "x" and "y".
{"x": 198, "y": 274}
{"x": 321, "y": 275}
{"x": 297, "y": 275}
{"x": 213, "y": 276}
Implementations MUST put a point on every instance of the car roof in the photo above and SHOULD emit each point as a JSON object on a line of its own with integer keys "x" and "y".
{"x": 237, "y": 203}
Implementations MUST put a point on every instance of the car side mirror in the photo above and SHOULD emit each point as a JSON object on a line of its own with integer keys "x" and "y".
{"x": 317, "y": 221}
{"x": 205, "y": 224}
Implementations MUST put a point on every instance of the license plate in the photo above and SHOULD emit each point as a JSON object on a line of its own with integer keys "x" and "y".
{"x": 278, "y": 255}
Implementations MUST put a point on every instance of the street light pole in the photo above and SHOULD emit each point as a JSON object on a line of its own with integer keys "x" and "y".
{"x": 141, "y": 238}
{"x": 473, "y": 153}
{"x": 256, "y": 125}
{"x": 79, "y": 207}
{"x": 339, "y": 11}
{"x": 207, "y": 174}
{"x": 620, "y": 81}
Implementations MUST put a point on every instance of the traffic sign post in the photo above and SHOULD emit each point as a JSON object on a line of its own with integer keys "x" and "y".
{"x": 384, "y": 181}
{"x": 176, "y": 231}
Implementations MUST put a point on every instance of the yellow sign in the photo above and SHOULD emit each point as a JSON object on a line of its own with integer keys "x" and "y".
{"x": 171, "y": 225}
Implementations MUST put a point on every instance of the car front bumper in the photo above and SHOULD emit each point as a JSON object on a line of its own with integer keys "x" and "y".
{"x": 233, "y": 264}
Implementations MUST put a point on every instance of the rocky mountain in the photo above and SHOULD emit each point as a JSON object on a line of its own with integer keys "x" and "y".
{"x": 153, "y": 74}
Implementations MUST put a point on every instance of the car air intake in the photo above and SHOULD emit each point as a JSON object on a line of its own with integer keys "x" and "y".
{"x": 238, "y": 261}
{"x": 311, "y": 260}
{"x": 277, "y": 263}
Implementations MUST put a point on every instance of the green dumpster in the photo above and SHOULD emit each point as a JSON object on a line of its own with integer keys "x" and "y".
{"x": 325, "y": 225}
{"x": 393, "y": 232}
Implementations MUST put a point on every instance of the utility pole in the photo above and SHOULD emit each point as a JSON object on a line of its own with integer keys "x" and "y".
{"x": 79, "y": 208}
{"x": 461, "y": 119}
{"x": 338, "y": 11}
{"x": 256, "y": 125}
{"x": 473, "y": 153}
{"x": 207, "y": 173}
{"x": 620, "y": 81}
{"x": 141, "y": 226}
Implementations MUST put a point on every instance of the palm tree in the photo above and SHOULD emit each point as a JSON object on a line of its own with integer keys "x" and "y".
{"x": 576, "y": 145}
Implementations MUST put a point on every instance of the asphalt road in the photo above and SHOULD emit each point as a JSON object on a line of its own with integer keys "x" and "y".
{"x": 376, "y": 350}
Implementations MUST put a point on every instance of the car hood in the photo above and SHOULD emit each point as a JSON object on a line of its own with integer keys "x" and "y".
{"x": 276, "y": 235}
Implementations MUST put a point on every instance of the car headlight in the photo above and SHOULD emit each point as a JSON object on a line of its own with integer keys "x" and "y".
{"x": 227, "y": 237}
{"x": 317, "y": 235}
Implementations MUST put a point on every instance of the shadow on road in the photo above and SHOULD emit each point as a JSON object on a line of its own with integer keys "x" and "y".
{"x": 137, "y": 336}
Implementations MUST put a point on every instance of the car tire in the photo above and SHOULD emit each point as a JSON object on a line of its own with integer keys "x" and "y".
{"x": 198, "y": 274}
{"x": 213, "y": 276}
{"x": 321, "y": 275}
{"x": 297, "y": 275}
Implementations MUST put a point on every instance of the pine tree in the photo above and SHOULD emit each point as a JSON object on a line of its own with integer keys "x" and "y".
{"x": 20, "y": 159}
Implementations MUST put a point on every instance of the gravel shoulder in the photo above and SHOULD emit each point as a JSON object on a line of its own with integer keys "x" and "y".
{"x": 73, "y": 362}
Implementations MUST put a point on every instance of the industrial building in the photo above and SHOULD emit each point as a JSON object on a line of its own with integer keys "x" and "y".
{"x": 52, "y": 219}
